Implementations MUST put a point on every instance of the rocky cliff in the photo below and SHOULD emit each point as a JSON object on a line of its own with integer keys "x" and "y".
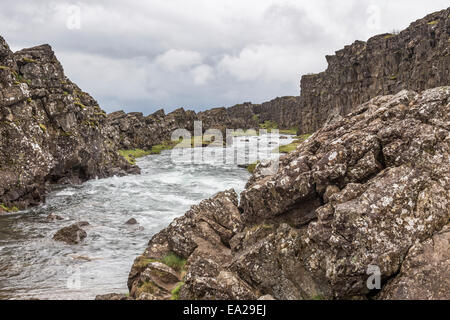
{"x": 134, "y": 130}
{"x": 50, "y": 130}
{"x": 369, "y": 191}
{"x": 417, "y": 58}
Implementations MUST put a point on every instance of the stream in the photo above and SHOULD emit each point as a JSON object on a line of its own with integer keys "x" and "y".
{"x": 33, "y": 266}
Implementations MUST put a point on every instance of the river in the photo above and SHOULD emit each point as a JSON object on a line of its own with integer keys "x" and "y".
{"x": 33, "y": 266}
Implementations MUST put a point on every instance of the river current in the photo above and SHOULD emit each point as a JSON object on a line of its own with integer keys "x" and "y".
{"x": 33, "y": 266}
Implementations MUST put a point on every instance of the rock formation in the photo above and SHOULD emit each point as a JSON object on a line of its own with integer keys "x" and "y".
{"x": 73, "y": 234}
{"x": 417, "y": 58}
{"x": 50, "y": 131}
{"x": 369, "y": 190}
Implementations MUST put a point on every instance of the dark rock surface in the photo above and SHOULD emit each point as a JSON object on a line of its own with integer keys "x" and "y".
{"x": 73, "y": 234}
{"x": 50, "y": 130}
{"x": 369, "y": 189}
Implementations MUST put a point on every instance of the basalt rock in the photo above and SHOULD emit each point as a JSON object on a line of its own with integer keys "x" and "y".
{"x": 50, "y": 130}
{"x": 369, "y": 191}
{"x": 417, "y": 58}
{"x": 73, "y": 234}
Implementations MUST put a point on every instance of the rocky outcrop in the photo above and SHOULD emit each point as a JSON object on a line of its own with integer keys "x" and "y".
{"x": 73, "y": 234}
{"x": 134, "y": 130}
{"x": 369, "y": 191}
{"x": 50, "y": 130}
{"x": 417, "y": 58}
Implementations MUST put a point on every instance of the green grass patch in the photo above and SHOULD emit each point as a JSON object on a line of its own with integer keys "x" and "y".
{"x": 78, "y": 103}
{"x": 21, "y": 79}
{"x": 268, "y": 125}
{"x": 171, "y": 260}
{"x": 43, "y": 127}
{"x": 292, "y": 131}
{"x": 288, "y": 148}
{"x": 175, "y": 262}
{"x": 8, "y": 209}
{"x": 245, "y": 133}
{"x": 251, "y": 167}
{"x": 4, "y": 68}
{"x": 432, "y": 23}
{"x": 132, "y": 155}
{"x": 29, "y": 60}
{"x": 176, "y": 291}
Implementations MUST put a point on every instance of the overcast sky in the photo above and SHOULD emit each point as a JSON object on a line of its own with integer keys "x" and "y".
{"x": 145, "y": 55}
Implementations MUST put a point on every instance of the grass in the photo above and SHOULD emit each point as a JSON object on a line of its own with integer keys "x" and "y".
{"x": 292, "y": 146}
{"x": 28, "y": 60}
{"x": 432, "y": 23}
{"x": 176, "y": 291}
{"x": 78, "y": 103}
{"x": 171, "y": 260}
{"x": 21, "y": 79}
{"x": 251, "y": 167}
{"x": 245, "y": 133}
{"x": 174, "y": 261}
{"x": 268, "y": 125}
{"x": 43, "y": 127}
{"x": 4, "y": 68}
{"x": 318, "y": 297}
{"x": 388, "y": 36}
{"x": 132, "y": 155}
{"x": 7, "y": 209}
{"x": 292, "y": 131}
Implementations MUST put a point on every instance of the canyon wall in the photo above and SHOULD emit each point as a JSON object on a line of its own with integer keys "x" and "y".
{"x": 416, "y": 59}
{"x": 50, "y": 130}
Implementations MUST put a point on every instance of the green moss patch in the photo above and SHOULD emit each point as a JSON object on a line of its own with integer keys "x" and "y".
{"x": 292, "y": 146}
{"x": 132, "y": 155}
{"x": 8, "y": 209}
{"x": 29, "y": 60}
{"x": 175, "y": 262}
{"x": 176, "y": 291}
{"x": 251, "y": 167}
{"x": 43, "y": 127}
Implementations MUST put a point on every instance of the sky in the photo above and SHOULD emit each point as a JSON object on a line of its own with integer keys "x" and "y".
{"x": 137, "y": 55}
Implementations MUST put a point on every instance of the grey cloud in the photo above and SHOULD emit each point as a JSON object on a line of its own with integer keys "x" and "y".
{"x": 145, "y": 55}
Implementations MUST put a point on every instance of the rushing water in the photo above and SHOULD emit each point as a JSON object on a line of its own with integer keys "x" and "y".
{"x": 32, "y": 265}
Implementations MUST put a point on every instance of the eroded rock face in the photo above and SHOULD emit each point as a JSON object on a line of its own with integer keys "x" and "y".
{"x": 417, "y": 58}
{"x": 368, "y": 189}
{"x": 200, "y": 238}
{"x": 50, "y": 131}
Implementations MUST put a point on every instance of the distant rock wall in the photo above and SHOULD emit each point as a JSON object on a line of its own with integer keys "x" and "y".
{"x": 416, "y": 59}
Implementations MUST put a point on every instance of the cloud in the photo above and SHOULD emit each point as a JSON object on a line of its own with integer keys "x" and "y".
{"x": 202, "y": 74}
{"x": 144, "y": 55}
{"x": 172, "y": 60}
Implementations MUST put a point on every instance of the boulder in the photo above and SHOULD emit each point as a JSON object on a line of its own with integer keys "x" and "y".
{"x": 72, "y": 234}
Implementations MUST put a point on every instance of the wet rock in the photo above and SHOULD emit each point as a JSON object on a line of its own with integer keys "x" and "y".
{"x": 131, "y": 221}
{"x": 112, "y": 296}
{"x": 54, "y": 217}
{"x": 71, "y": 235}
